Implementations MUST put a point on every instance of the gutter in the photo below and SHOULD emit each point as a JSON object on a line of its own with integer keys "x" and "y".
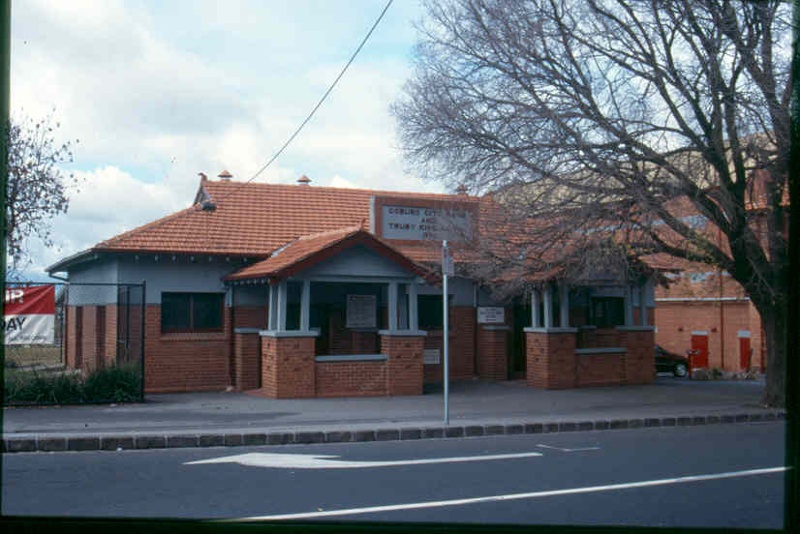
{"x": 79, "y": 257}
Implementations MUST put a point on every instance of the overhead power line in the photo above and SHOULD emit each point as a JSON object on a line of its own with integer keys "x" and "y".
{"x": 321, "y": 100}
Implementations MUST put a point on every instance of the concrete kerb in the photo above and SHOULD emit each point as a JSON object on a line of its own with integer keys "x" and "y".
{"x": 235, "y": 439}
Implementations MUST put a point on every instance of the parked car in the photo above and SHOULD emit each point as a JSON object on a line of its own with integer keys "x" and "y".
{"x": 670, "y": 362}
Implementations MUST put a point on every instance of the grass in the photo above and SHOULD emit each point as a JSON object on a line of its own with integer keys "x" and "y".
{"x": 111, "y": 384}
{"x": 28, "y": 355}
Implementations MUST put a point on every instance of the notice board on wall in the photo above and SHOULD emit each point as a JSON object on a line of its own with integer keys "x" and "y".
{"x": 491, "y": 315}
{"x": 362, "y": 311}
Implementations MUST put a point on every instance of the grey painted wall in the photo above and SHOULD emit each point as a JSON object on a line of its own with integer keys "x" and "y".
{"x": 102, "y": 271}
{"x": 179, "y": 275}
{"x": 462, "y": 290}
{"x": 247, "y": 295}
{"x": 358, "y": 261}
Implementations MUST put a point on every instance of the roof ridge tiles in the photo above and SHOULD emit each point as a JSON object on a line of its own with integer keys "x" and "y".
{"x": 236, "y": 186}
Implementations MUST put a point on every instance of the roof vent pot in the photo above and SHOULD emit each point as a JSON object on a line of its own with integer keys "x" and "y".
{"x": 225, "y": 176}
{"x": 461, "y": 190}
{"x": 304, "y": 180}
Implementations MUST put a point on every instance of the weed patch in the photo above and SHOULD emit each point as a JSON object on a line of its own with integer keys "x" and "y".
{"x": 111, "y": 384}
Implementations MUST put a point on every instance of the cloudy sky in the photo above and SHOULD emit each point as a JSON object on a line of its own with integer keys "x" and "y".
{"x": 156, "y": 92}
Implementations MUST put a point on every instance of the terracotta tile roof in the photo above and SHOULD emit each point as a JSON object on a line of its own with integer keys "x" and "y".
{"x": 256, "y": 219}
{"x": 312, "y": 249}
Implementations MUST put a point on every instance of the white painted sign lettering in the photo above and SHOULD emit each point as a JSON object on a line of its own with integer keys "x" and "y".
{"x": 419, "y": 224}
{"x": 491, "y": 315}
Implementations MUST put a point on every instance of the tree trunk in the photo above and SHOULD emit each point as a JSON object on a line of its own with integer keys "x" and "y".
{"x": 774, "y": 319}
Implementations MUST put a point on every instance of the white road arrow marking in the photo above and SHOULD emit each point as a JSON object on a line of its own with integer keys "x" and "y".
{"x": 319, "y": 461}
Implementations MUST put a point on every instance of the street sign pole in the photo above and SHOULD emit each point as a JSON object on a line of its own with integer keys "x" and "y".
{"x": 447, "y": 270}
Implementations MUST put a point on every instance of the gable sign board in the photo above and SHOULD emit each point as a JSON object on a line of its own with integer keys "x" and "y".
{"x": 30, "y": 315}
{"x": 415, "y": 223}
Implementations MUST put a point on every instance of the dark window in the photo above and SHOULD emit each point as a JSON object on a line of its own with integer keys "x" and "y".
{"x": 429, "y": 312}
{"x": 608, "y": 311}
{"x": 191, "y": 312}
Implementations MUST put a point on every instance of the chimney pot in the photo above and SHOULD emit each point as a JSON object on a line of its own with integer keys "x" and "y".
{"x": 304, "y": 180}
{"x": 225, "y": 176}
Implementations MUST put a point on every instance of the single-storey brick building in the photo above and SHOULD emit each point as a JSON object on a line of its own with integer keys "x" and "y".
{"x": 301, "y": 291}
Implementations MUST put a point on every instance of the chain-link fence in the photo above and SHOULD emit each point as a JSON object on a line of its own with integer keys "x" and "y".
{"x": 73, "y": 343}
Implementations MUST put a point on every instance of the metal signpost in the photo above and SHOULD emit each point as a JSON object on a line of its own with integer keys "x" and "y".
{"x": 447, "y": 270}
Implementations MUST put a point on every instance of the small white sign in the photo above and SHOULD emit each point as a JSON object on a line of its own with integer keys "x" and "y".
{"x": 491, "y": 315}
{"x": 361, "y": 311}
{"x": 431, "y": 357}
{"x": 447, "y": 261}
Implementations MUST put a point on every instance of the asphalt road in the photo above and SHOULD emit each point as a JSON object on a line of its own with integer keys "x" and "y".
{"x": 625, "y": 477}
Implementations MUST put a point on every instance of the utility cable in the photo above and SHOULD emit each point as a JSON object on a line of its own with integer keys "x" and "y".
{"x": 319, "y": 104}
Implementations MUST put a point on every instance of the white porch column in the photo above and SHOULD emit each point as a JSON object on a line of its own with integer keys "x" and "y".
{"x": 563, "y": 308}
{"x": 281, "y": 315}
{"x": 392, "y": 306}
{"x": 413, "y": 314}
{"x": 628, "y": 305}
{"x": 536, "y": 298}
{"x": 548, "y": 306}
{"x": 305, "y": 306}
{"x": 273, "y": 307}
{"x": 642, "y": 304}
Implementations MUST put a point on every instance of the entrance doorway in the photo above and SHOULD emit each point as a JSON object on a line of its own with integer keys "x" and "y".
{"x": 521, "y": 318}
{"x": 699, "y": 349}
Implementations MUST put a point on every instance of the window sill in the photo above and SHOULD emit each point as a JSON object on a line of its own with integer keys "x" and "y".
{"x": 193, "y": 336}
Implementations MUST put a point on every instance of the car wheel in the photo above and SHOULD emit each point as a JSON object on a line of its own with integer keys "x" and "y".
{"x": 680, "y": 370}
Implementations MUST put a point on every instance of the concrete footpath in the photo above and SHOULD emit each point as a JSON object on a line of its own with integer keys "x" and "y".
{"x": 477, "y": 408}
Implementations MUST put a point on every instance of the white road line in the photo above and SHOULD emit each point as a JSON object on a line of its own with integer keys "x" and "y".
{"x": 568, "y": 450}
{"x": 512, "y": 496}
{"x": 321, "y": 461}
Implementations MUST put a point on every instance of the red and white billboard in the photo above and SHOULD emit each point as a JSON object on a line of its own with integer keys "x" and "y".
{"x": 30, "y": 315}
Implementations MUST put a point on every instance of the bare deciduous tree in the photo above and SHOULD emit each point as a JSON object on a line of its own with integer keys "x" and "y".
{"x": 664, "y": 124}
{"x": 37, "y": 186}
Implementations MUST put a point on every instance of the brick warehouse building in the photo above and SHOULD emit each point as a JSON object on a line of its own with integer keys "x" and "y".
{"x": 303, "y": 291}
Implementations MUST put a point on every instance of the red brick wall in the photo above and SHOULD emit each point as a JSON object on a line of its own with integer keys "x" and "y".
{"x": 493, "y": 353}
{"x": 553, "y": 364}
{"x": 92, "y": 338}
{"x": 677, "y": 320}
{"x": 598, "y": 337}
{"x": 73, "y": 358}
{"x": 599, "y": 369}
{"x": 287, "y": 367}
{"x": 461, "y": 346}
{"x": 247, "y": 348}
{"x": 250, "y": 317}
{"x": 550, "y": 360}
{"x": 185, "y": 362}
{"x": 404, "y": 367}
{"x": 110, "y": 340}
{"x": 350, "y": 379}
{"x": 639, "y": 360}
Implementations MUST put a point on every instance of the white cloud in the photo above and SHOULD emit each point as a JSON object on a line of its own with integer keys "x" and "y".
{"x": 157, "y": 92}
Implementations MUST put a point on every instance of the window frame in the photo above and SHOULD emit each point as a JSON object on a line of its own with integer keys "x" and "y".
{"x": 192, "y": 302}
